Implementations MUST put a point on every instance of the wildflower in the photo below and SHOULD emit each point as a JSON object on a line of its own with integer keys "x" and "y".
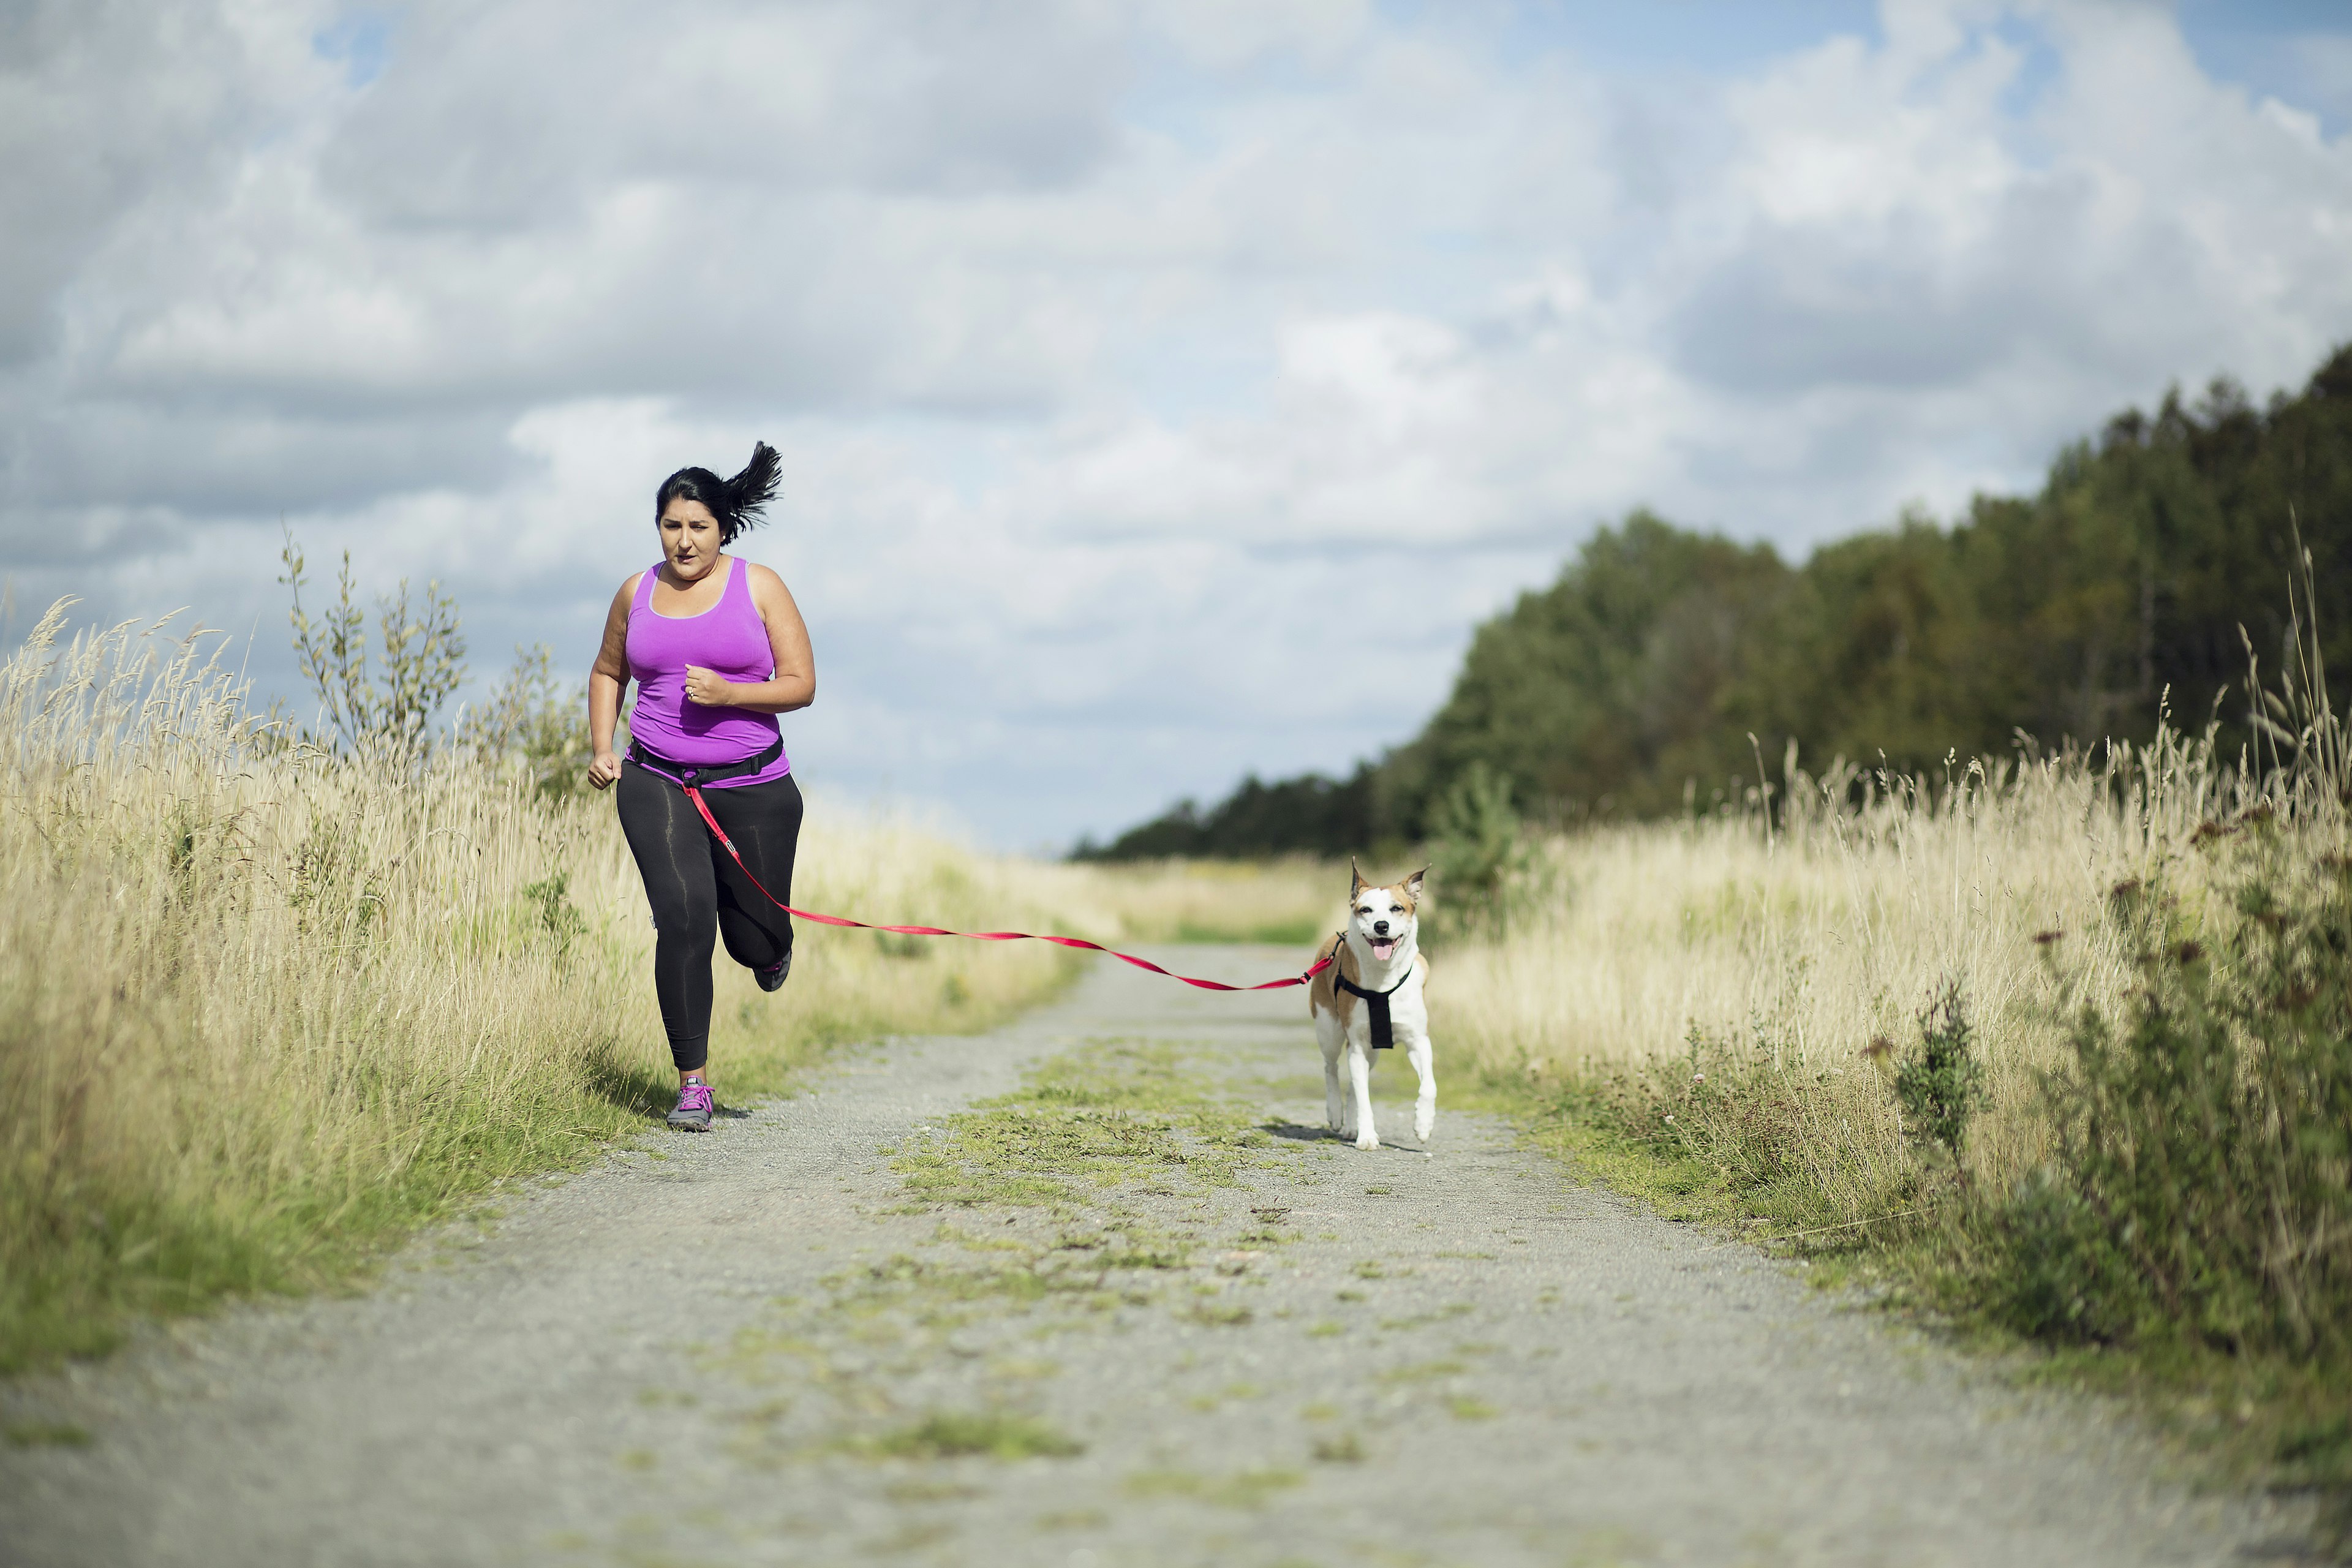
{"x": 1698, "y": 1078}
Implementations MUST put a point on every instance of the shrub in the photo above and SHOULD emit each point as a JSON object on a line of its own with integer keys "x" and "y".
{"x": 2058, "y": 1274}
{"x": 2201, "y": 1178}
{"x": 1940, "y": 1085}
{"x": 536, "y": 723}
{"x": 385, "y": 702}
{"x": 1479, "y": 851}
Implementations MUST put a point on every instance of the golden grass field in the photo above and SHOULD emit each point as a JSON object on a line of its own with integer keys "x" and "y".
{"x": 264, "y": 1007}
{"x": 1795, "y": 948}
{"x": 1719, "y": 1016}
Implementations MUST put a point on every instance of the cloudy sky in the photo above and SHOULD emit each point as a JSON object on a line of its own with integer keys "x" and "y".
{"x": 1165, "y": 388}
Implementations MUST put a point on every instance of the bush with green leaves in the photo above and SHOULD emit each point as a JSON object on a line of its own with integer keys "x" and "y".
{"x": 536, "y": 721}
{"x": 1940, "y": 1084}
{"x": 1479, "y": 853}
{"x": 2202, "y": 1179}
{"x": 560, "y": 922}
{"x": 386, "y": 700}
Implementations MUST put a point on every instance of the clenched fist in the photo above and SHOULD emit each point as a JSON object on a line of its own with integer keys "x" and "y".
{"x": 709, "y": 687}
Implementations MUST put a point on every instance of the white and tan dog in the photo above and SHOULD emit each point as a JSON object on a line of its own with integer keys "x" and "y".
{"x": 1377, "y": 980}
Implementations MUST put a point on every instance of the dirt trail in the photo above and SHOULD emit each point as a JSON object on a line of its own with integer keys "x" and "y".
{"x": 1141, "y": 1314}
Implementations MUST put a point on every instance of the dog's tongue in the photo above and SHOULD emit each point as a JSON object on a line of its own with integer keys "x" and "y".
{"x": 1380, "y": 949}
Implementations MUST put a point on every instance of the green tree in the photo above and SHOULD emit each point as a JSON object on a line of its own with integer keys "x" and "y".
{"x": 1631, "y": 684}
{"x": 1602, "y": 693}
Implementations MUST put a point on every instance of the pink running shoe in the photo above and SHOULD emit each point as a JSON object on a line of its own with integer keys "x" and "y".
{"x": 693, "y": 1112}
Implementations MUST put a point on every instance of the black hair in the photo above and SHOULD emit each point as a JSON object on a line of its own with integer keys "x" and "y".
{"x": 737, "y": 503}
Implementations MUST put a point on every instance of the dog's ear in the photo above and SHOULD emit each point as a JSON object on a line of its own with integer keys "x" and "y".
{"x": 1356, "y": 883}
{"x": 1411, "y": 884}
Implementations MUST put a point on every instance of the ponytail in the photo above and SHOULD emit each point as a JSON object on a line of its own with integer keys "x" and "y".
{"x": 738, "y": 503}
{"x": 749, "y": 492}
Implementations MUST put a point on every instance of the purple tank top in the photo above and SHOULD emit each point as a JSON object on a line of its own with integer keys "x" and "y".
{"x": 729, "y": 638}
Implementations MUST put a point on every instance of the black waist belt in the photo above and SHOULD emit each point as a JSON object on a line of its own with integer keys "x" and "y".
{"x": 1383, "y": 1032}
{"x": 696, "y": 774}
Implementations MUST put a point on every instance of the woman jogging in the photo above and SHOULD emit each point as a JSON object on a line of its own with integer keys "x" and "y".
{"x": 718, "y": 649}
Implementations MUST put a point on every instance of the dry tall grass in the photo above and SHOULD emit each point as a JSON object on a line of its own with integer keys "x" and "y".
{"x": 262, "y": 1006}
{"x": 1802, "y": 945}
{"x": 1788, "y": 954}
{"x": 1292, "y": 900}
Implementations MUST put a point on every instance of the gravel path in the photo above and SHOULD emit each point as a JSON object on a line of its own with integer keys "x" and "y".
{"x": 766, "y": 1346}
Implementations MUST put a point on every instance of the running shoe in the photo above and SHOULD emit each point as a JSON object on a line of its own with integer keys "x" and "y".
{"x": 773, "y": 978}
{"x": 694, "y": 1105}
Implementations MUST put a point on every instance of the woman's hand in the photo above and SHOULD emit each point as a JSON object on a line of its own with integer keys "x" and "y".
{"x": 709, "y": 687}
{"x": 603, "y": 769}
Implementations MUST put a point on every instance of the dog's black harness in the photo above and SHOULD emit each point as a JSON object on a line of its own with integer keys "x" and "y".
{"x": 1383, "y": 1032}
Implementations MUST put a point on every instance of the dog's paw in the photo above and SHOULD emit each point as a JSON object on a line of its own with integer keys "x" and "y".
{"x": 1367, "y": 1140}
{"x": 1421, "y": 1128}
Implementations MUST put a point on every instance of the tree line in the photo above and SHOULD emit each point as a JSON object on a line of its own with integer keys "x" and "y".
{"x": 1664, "y": 664}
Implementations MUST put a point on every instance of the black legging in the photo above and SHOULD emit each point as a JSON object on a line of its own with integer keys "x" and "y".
{"x": 696, "y": 889}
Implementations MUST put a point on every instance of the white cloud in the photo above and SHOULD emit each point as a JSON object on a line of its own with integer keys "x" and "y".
{"x": 1164, "y": 390}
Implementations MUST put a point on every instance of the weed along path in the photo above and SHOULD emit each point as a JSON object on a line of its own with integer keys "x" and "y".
{"x": 1092, "y": 1290}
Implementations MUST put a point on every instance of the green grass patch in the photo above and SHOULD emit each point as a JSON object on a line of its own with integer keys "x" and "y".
{"x": 47, "y": 1435}
{"x": 1220, "y": 1314}
{"x": 1112, "y": 1113}
{"x": 1435, "y": 1315}
{"x": 1751, "y": 1169}
{"x": 1074, "y": 1519}
{"x": 1244, "y": 1489}
{"x": 82, "y": 1272}
{"x": 902, "y": 1297}
{"x": 984, "y": 1434}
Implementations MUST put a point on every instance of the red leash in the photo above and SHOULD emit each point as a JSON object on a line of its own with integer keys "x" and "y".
{"x": 728, "y": 844}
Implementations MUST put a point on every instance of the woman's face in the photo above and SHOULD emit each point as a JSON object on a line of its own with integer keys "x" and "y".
{"x": 690, "y": 537}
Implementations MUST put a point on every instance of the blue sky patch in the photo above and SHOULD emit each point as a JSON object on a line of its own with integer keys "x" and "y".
{"x": 361, "y": 41}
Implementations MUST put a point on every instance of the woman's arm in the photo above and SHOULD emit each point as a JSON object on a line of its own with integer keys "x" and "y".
{"x": 607, "y": 679}
{"x": 793, "y": 686}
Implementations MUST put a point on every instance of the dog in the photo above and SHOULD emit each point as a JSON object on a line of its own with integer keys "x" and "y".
{"x": 1376, "y": 975}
